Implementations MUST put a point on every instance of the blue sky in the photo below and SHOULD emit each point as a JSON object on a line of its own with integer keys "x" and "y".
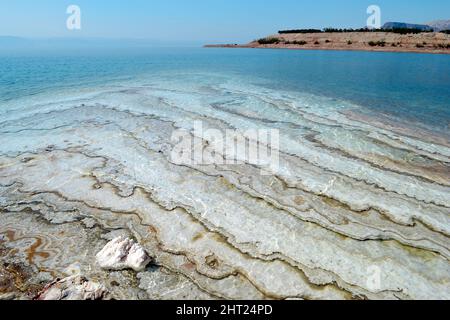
{"x": 202, "y": 20}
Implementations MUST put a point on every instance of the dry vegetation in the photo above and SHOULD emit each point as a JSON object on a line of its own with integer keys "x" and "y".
{"x": 431, "y": 42}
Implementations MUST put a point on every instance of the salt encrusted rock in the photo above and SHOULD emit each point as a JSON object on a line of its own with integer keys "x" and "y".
{"x": 123, "y": 253}
{"x": 73, "y": 288}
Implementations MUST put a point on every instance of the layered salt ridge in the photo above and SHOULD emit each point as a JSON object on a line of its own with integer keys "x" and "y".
{"x": 226, "y": 231}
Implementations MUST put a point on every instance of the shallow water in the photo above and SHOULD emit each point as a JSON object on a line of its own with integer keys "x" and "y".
{"x": 411, "y": 86}
{"x": 361, "y": 191}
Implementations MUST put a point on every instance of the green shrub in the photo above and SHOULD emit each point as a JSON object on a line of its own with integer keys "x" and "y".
{"x": 299, "y": 43}
{"x": 406, "y": 30}
{"x": 300, "y": 31}
{"x": 349, "y": 42}
{"x": 336, "y": 30}
{"x": 378, "y": 43}
{"x": 269, "y": 41}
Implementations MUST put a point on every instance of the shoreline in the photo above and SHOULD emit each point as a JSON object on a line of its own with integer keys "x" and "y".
{"x": 430, "y": 43}
{"x": 208, "y": 46}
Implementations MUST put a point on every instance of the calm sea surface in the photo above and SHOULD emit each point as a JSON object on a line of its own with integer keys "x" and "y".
{"x": 411, "y": 87}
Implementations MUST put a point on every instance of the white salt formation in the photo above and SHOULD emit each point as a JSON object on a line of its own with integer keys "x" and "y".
{"x": 73, "y": 288}
{"x": 123, "y": 253}
{"x": 359, "y": 207}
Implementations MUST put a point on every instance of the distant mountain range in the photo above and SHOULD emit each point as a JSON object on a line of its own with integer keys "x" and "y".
{"x": 438, "y": 25}
{"x": 402, "y": 25}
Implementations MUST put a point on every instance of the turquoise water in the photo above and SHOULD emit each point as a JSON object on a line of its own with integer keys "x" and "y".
{"x": 359, "y": 173}
{"x": 410, "y": 87}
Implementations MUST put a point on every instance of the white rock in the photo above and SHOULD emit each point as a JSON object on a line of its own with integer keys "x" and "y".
{"x": 73, "y": 288}
{"x": 123, "y": 253}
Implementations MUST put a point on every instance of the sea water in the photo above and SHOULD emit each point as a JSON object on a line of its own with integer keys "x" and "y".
{"x": 358, "y": 205}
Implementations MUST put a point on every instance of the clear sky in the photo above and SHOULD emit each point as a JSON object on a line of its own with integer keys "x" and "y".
{"x": 202, "y": 20}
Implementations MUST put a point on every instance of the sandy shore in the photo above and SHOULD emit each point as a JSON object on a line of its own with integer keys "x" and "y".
{"x": 358, "y": 41}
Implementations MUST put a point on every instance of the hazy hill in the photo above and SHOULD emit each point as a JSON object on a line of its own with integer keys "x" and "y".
{"x": 440, "y": 25}
{"x": 402, "y": 25}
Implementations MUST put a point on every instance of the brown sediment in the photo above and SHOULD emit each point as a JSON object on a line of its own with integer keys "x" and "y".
{"x": 212, "y": 261}
{"x": 16, "y": 278}
{"x": 299, "y": 200}
{"x": 10, "y": 234}
{"x": 198, "y": 236}
{"x": 13, "y": 278}
{"x": 32, "y": 251}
